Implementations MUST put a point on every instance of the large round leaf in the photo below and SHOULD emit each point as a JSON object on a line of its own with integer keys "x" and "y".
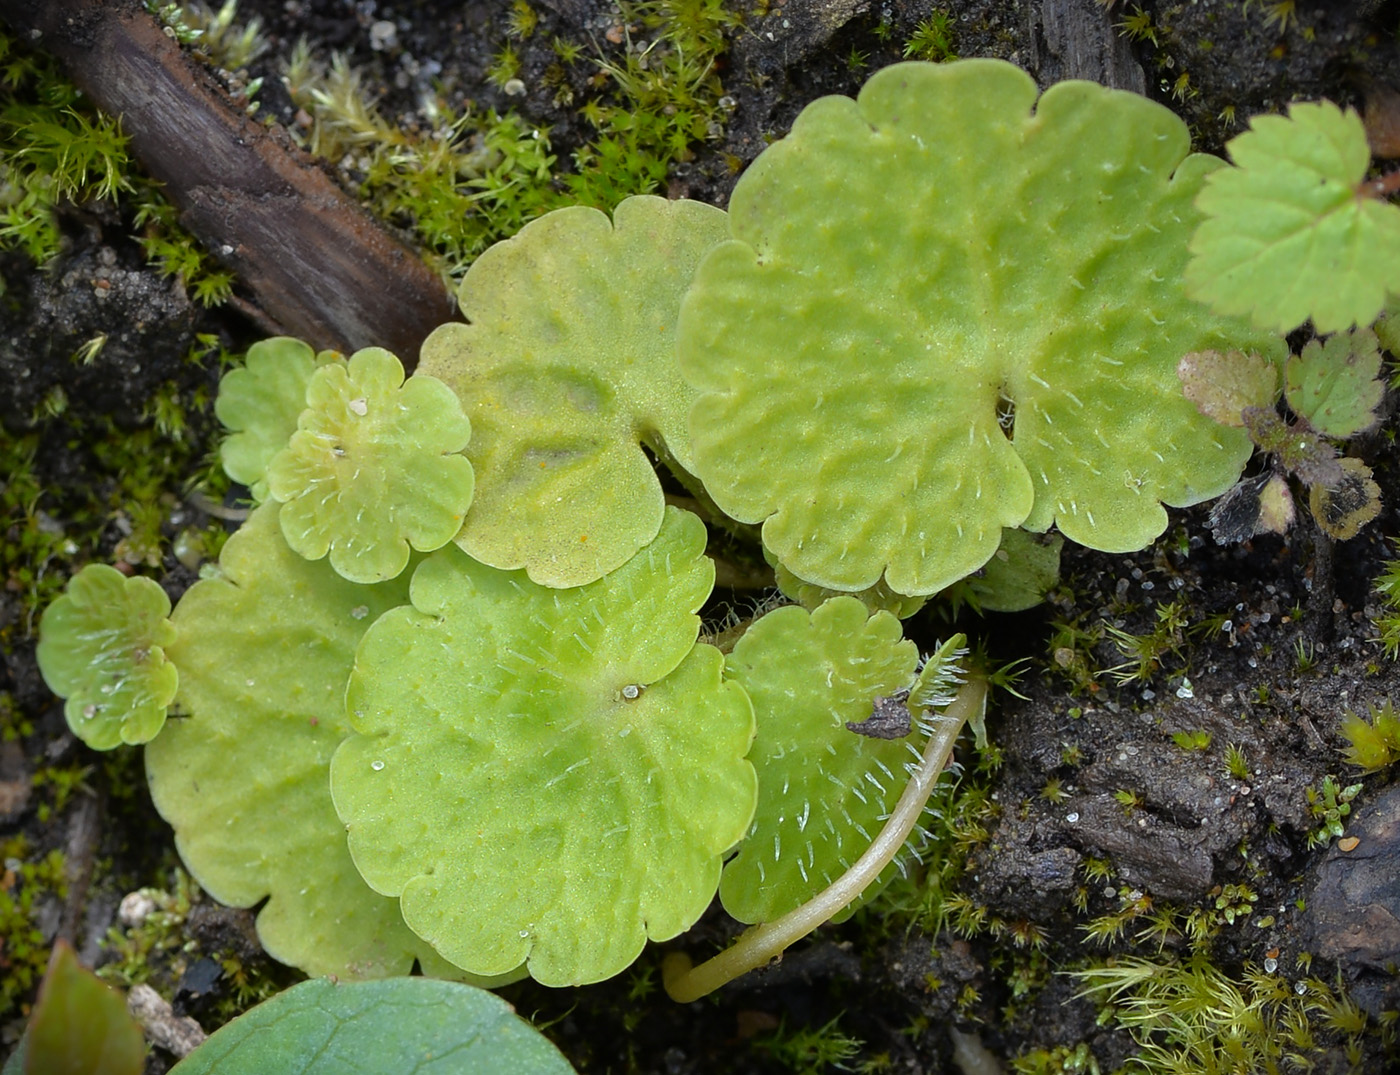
{"x": 950, "y": 309}
{"x": 548, "y": 775}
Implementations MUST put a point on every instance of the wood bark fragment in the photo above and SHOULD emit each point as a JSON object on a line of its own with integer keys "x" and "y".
{"x": 313, "y": 261}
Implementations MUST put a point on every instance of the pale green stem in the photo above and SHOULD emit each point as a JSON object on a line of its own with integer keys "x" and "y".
{"x": 765, "y": 942}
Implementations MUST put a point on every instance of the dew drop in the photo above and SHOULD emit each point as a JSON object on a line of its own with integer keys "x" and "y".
{"x": 376, "y": 765}
{"x": 359, "y": 612}
{"x": 1270, "y": 965}
{"x": 631, "y": 692}
{"x": 524, "y": 933}
{"x": 360, "y": 406}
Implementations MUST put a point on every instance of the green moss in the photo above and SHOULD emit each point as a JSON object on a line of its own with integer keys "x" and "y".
{"x": 61, "y": 149}
{"x": 26, "y": 879}
{"x": 1190, "y": 1017}
{"x": 476, "y": 177}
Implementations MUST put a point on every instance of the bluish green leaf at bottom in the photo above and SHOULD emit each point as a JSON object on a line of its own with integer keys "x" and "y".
{"x": 393, "y": 1026}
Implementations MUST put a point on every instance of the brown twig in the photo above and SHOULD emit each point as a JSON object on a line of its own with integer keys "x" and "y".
{"x": 311, "y": 259}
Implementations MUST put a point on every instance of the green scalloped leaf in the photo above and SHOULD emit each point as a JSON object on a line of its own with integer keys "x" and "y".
{"x": 401, "y": 1026}
{"x": 567, "y": 368}
{"x": 1286, "y": 236}
{"x": 824, "y": 790}
{"x": 911, "y": 267}
{"x": 550, "y": 775}
{"x": 373, "y": 467}
{"x": 102, "y": 647}
{"x": 265, "y": 651}
{"x": 259, "y": 404}
{"x": 1337, "y": 385}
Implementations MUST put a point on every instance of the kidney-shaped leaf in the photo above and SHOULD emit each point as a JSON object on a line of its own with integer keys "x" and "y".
{"x": 948, "y": 309}
{"x": 102, "y": 647}
{"x": 547, "y": 774}
{"x": 265, "y": 651}
{"x": 373, "y": 467}
{"x": 824, "y": 790}
{"x": 398, "y": 1026}
{"x": 567, "y": 368}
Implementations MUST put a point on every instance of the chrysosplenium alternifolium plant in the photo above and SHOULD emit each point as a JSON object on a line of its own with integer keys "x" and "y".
{"x": 934, "y": 315}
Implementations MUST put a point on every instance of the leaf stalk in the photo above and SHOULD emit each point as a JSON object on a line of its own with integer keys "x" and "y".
{"x": 767, "y": 941}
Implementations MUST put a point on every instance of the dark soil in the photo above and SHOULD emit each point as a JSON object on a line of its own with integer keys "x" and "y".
{"x": 1277, "y": 642}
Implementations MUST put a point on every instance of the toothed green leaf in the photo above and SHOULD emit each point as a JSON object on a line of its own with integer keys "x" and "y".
{"x": 373, "y": 468}
{"x": 910, "y": 267}
{"x": 1336, "y": 385}
{"x": 566, "y": 370}
{"x": 265, "y": 651}
{"x": 824, "y": 790}
{"x": 550, "y": 775}
{"x": 102, "y": 647}
{"x": 1286, "y": 237}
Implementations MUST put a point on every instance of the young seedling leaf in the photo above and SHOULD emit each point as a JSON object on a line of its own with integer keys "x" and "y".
{"x": 947, "y": 310}
{"x": 1298, "y": 449}
{"x": 824, "y": 788}
{"x": 265, "y": 651}
{"x": 80, "y": 1025}
{"x": 566, "y": 370}
{"x": 373, "y": 467}
{"x": 1276, "y": 510}
{"x": 1223, "y": 384}
{"x": 1336, "y": 385}
{"x": 259, "y": 404}
{"x": 1287, "y": 237}
{"x": 550, "y": 775}
{"x": 102, "y": 647}
{"x": 398, "y": 1026}
{"x": 1344, "y": 507}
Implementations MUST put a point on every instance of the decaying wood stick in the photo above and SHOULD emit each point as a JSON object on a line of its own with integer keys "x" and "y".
{"x": 312, "y": 259}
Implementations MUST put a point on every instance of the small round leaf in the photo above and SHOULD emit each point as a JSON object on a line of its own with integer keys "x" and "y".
{"x": 824, "y": 790}
{"x": 102, "y": 647}
{"x": 259, "y": 404}
{"x": 550, "y": 775}
{"x": 567, "y": 368}
{"x": 373, "y": 467}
